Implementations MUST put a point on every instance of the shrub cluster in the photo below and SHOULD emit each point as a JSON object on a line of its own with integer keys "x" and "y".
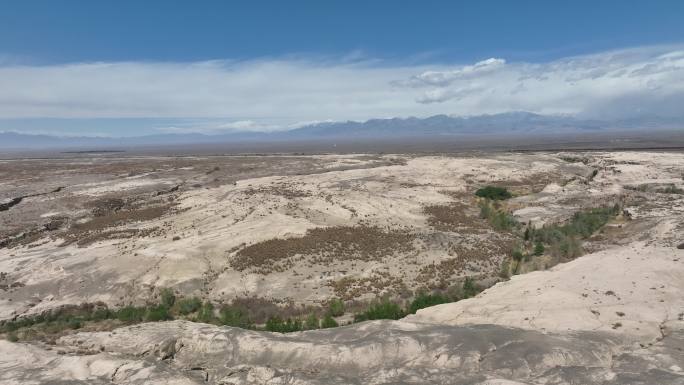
{"x": 276, "y": 324}
{"x": 494, "y": 193}
{"x": 238, "y": 315}
{"x": 386, "y": 309}
{"x": 564, "y": 240}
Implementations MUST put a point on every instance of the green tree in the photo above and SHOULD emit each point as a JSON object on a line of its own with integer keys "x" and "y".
{"x": 493, "y": 193}
{"x": 538, "y": 248}
{"x": 517, "y": 255}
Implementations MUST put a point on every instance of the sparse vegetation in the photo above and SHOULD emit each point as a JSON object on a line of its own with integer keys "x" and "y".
{"x": 496, "y": 216}
{"x": 671, "y": 189}
{"x": 574, "y": 159}
{"x": 454, "y": 217}
{"x": 558, "y": 240}
{"x": 564, "y": 240}
{"x": 239, "y": 314}
{"x": 324, "y": 245}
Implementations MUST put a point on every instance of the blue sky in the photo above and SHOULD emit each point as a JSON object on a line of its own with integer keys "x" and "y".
{"x": 145, "y": 67}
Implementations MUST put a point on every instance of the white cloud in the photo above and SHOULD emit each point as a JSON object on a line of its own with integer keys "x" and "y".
{"x": 264, "y": 95}
{"x": 445, "y": 78}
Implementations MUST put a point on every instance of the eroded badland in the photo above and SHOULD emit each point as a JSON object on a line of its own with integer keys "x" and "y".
{"x": 283, "y": 235}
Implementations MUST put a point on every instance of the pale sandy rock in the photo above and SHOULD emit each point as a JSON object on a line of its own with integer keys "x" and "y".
{"x": 375, "y": 352}
{"x": 631, "y": 289}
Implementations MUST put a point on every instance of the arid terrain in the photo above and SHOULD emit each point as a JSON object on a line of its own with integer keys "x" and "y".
{"x": 291, "y": 233}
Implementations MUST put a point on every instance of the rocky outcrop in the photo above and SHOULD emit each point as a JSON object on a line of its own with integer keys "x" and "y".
{"x": 375, "y": 352}
{"x": 631, "y": 290}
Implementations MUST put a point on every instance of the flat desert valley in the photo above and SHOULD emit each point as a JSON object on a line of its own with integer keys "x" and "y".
{"x": 286, "y": 236}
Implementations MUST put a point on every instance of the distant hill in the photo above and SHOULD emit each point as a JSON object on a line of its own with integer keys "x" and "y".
{"x": 522, "y": 123}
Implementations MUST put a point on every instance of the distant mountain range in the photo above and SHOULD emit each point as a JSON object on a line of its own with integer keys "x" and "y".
{"x": 511, "y": 123}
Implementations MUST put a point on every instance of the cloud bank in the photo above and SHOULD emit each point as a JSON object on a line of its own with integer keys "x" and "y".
{"x": 282, "y": 93}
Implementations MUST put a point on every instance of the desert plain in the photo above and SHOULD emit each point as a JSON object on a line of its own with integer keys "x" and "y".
{"x": 289, "y": 233}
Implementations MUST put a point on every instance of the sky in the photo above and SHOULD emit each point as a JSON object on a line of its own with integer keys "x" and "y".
{"x": 126, "y": 68}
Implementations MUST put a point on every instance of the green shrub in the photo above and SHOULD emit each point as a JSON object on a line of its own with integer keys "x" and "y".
{"x": 470, "y": 288}
{"x": 336, "y": 307}
{"x": 312, "y": 322}
{"x": 423, "y": 300}
{"x": 538, "y": 248}
{"x": 499, "y": 219}
{"x": 564, "y": 239}
{"x": 328, "y": 322}
{"x": 130, "y": 314}
{"x": 381, "y": 310}
{"x": 12, "y": 337}
{"x": 167, "y": 297}
{"x": 276, "y": 324}
{"x": 206, "y": 313}
{"x": 188, "y": 305}
{"x": 102, "y": 314}
{"x": 505, "y": 270}
{"x": 157, "y": 313}
{"x": 502, "y": 221}
{"x": 517, "y": 255}
{"x": 235, "y": 316}
{"x": 73, "y": 324}
{"x": 493, "y": 193}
